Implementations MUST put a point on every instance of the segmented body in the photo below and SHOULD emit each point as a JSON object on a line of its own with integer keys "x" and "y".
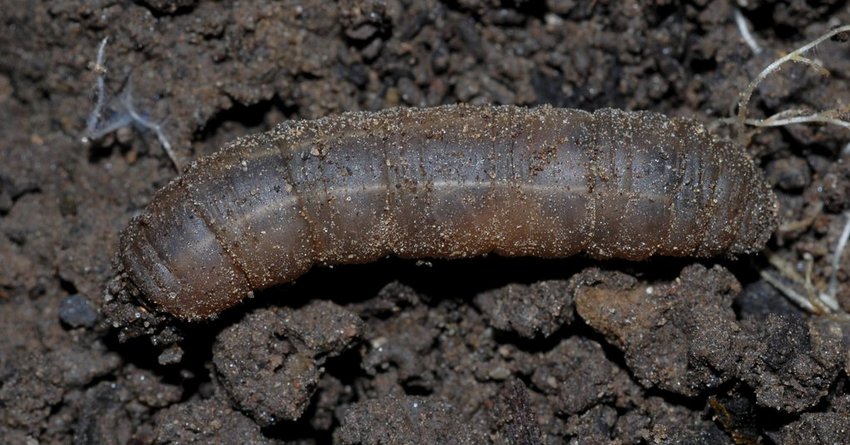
{"x": 444, "y": 182}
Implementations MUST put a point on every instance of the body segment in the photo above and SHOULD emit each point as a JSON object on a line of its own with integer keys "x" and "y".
{"x": 444, "y": 182}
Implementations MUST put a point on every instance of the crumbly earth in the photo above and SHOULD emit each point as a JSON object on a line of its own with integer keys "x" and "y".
{"x": 521, "y": 351}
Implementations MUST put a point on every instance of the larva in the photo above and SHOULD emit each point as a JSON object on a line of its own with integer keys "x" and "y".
{"x": 445, "y": 182}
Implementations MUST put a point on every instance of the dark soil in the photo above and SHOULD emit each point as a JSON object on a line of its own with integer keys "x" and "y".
{"x": 520, "y": 351}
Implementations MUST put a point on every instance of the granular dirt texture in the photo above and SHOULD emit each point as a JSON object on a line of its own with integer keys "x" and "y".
{"x": 205, "y": 421}
{"x": 536, "y": 310}
{"x": 697, "y": 344}
{"x": 679, "y": 341}
{"x": 270, "y": 362}
{"x": 404, "y": 419}
{"x": 828, "y": 426}
{"x": 481, "y": 350}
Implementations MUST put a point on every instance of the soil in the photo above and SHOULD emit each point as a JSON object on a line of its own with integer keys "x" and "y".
{"x": 486, "y": 350}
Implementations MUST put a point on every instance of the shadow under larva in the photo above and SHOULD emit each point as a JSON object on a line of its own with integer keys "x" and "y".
{"x": 446, "y": 182}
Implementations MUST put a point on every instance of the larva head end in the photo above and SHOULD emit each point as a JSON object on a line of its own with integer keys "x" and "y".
{"x": 125, "y": 312}
{"x": 177, "y": 262}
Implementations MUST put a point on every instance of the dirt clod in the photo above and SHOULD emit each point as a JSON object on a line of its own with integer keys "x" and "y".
{"x": 678, "y": 336}
{"x": 539, "y": 309}
{"x": 206, "y": 421}
{"x": 76, "y": 311}
{"x": 404, "y": 419}
{"x": 269, "y": 363}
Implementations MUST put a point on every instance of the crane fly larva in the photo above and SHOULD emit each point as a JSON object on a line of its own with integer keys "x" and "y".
{"x": 446, "y": 182}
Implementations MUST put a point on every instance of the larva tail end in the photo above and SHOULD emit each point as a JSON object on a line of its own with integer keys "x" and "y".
{"x": 758, "y": 224}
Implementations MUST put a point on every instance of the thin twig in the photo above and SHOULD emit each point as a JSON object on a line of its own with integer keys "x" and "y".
{"x": 836, "y": 257}
{"x": 793, "y": 56}
{"x": 813, "y": 299}
{"x": 744, "y": 29}
{"x": 123, "y": 114}
{"x": 100, "y": 90}
{"x": 144, "y": 122}
{"x": 774, "y": 121}
{"x": 789, "y": 293}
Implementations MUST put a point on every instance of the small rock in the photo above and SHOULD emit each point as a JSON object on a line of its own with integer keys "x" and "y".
{"x": 76, "y": 311}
